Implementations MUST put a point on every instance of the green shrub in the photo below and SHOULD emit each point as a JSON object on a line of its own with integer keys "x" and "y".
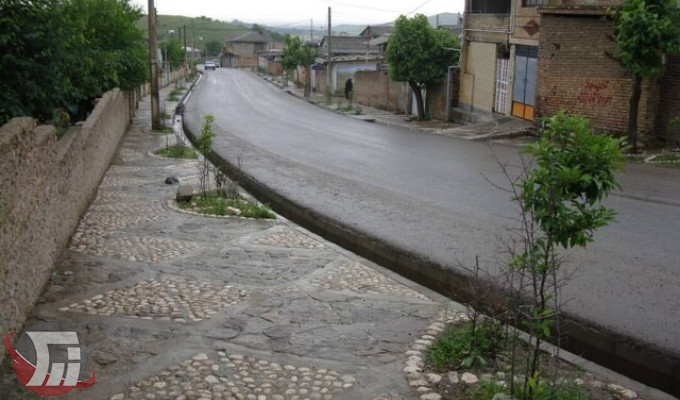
{"x": 176, "y": 151}
{"x": 464, "y": 345}
{"x": 542, "y": 391}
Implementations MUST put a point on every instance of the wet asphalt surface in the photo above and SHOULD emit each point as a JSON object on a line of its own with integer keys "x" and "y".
{"x": 436, "y": 196}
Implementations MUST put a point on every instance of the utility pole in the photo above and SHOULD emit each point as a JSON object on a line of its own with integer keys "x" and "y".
{"x": 155, "y": 110}
{"x": 186, "y": 62}
{"x": 329, "y": 65}
{"x": 311, "y": 30}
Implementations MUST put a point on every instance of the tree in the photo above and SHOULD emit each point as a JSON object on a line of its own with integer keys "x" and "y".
{"x": 173, "y": 51}
{"x": 561, "y": 208}
{"x": 296, "y": 53}
{"x": 213, "y": 48}
{"x": 420, "y": 55}
{"x": 32, "y": 46}
{"x": 57, "y": 53}
{"x": 645, "y": 31}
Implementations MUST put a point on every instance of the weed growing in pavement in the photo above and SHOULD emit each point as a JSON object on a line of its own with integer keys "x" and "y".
{"x": 668, "y": 160}
{"x": 177, "y": 151}
{"x": 215, "y": 204}
{"x": 205, "y": 142}
{"x": 541, "y": 391}
{"x": 467, "y": 344}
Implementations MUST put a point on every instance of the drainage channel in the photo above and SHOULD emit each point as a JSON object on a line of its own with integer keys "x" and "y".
{"x": 627, "y": 356}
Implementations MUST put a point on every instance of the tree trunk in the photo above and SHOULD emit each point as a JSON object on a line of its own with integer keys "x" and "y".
{"x": 419, "y": 99}
{"x": 633, "y": 109}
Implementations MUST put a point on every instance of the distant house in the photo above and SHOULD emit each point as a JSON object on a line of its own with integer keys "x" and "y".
{"x": 375, "y": 31}
{"x": 242, "y": 51}
{"x": 192, "y": 53}
{"x": 347, "y": 45}
{"x": 270, "y": 62}
{"x": 349, "y": 55}
{"x": 450, "y": 21}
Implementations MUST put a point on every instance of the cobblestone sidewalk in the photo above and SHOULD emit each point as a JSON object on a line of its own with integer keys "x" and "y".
{"x": 178, "y": 306}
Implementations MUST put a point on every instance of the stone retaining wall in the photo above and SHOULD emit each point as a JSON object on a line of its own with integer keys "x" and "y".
{"x": 46, "y": 185}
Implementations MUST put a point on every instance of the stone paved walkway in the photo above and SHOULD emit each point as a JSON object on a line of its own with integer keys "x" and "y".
{"x": 179, "y": 306}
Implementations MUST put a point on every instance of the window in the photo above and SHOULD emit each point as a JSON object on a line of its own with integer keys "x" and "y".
{"x": 532, "y": 3}
{"x": 490, "y": 6}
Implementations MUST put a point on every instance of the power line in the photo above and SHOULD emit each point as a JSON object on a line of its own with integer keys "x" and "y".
{"x": 418, "y": 8}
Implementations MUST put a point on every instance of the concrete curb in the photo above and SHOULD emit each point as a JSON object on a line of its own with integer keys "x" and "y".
{"x": 635, "y": 359}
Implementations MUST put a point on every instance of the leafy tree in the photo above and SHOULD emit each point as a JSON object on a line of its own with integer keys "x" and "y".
{"x": 173, "y": 51}
{"x": 213, "y": 48}
{"x": 420, "y": 55}
{"x": 65, "y": 53}
{"x": 204, "y": 145}
{"x": 561, "y": 205}
{"x": 296, "y": 53}
{"x": 32, "y": 45}
{"x": 645, "y": 31}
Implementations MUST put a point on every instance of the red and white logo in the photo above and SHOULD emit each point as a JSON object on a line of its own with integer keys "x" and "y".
{"x": 50, "y": 361}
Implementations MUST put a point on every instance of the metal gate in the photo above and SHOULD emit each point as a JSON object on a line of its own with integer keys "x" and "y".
{"x": 502, "y": 67}
{"x": 524, "y": 86}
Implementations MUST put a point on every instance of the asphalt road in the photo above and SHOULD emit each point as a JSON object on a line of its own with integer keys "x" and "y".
{"x": 432, "y": 195}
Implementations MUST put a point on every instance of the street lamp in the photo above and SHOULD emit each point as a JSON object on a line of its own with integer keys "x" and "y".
{"x": 206, "y": 50}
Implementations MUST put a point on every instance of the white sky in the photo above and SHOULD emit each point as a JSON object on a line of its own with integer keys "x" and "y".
{"x": 299, "y": 12}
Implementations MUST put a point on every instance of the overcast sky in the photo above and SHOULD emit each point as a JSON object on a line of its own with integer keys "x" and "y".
{"x": 299, "y": 12}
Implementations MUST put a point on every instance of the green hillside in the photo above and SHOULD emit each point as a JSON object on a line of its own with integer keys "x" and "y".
{"x": 209, "y": 29}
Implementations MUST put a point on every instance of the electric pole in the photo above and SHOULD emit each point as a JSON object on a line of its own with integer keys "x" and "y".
{"x": 311, "y": 30}
{"x": 329, "y": 84}
{"x": 155, "y": 110}
{"x": 186, "y": 62}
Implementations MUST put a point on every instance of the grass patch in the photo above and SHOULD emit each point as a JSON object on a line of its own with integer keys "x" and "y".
{"x": 543, "y": 391}
{"x": 668, "y": 160}
{"x": 163, "y": 130}
{"x": 214, "y": 204}
{"x": 462, "y": 345}
{"x": 176, "y": 151}
{"x": 487, "y": 352}
{"x": 348, "y": 109}
{"x": 634, "y": 158}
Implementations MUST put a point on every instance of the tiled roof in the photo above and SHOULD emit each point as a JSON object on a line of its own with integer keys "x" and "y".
{"x": 376, "y": 30}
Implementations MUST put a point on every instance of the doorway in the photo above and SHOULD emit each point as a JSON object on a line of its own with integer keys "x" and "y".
{"x": 524, "y": 86}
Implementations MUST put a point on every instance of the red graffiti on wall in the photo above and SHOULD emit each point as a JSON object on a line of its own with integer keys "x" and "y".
{"x": 591, "y": 94}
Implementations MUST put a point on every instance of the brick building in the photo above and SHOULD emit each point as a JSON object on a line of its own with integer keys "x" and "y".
{"x": 242, "y": 51}
{"x": 531, "y": 58}
{"x": 577, "y": 71}
{"x": 499, "y": 57}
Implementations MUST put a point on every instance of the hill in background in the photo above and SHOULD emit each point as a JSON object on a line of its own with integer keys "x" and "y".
{"x": 211, "y": 30}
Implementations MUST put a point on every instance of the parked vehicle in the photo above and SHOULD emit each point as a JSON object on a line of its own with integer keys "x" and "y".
{"x": 210, "y": 65}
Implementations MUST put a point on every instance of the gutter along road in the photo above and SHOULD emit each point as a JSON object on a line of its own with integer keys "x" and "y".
{"x": 429, "y": 197}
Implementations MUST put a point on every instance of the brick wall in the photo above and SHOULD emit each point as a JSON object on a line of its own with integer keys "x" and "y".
{"x": 669, "y": 103}
{"x": 47, "y": 185}
{"x": 576, "y": 74}
{"x": 375, "y": 89}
